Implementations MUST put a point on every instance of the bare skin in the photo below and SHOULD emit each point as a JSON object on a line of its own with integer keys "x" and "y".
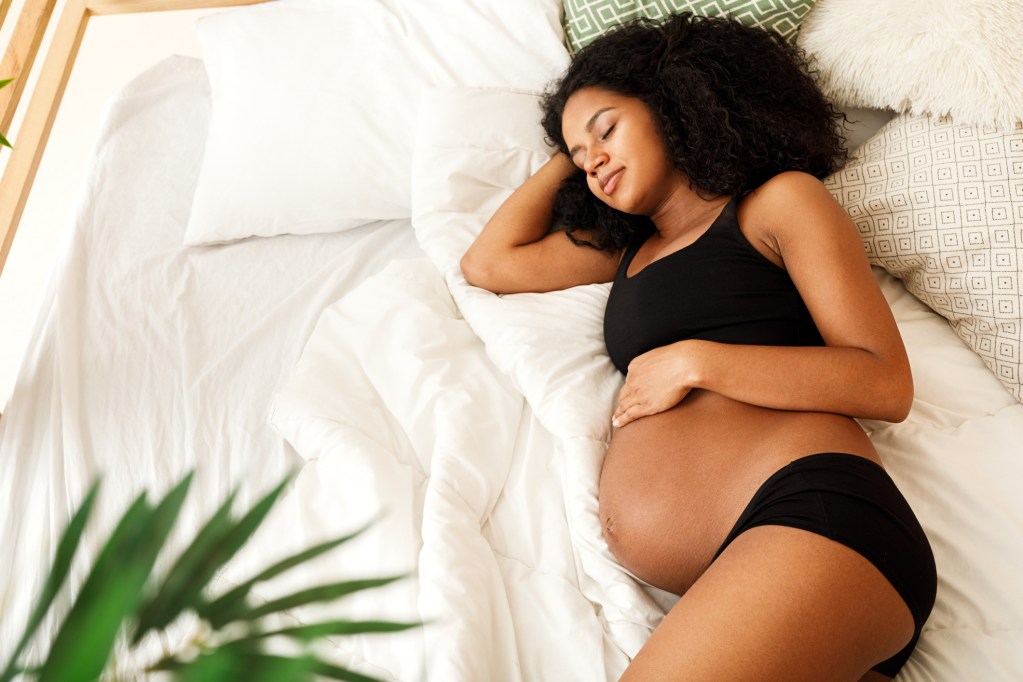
{"x": 702, "y": 425}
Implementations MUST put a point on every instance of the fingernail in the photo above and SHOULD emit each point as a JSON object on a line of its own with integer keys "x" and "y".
{"x": 614, "y": 422}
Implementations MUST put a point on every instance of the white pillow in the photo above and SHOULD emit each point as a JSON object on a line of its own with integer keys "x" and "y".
{"x": 474, "y": 147}
{"x": 314, "y": 102}
{"x": 944, "y": 57}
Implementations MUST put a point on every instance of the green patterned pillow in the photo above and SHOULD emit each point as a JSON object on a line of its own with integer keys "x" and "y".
{"x": 585, "y": 20}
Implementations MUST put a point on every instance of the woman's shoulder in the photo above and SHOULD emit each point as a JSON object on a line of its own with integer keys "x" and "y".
{"x": 792, "y": 208}
{"x": 786, "y": 200}
{"x": 787, "y": 187}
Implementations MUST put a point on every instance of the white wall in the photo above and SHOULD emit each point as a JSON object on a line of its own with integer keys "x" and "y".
{"x": 115, "y": 50}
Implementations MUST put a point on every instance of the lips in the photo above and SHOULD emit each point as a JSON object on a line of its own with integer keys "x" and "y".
{"x": 609, "y": 181}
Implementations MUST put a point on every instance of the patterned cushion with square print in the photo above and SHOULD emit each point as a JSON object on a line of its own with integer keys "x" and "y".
{"x": 585, "y": 20}
{"x": 940, "y": 206}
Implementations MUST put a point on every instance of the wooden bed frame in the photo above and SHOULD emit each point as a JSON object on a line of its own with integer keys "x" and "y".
{"x": 49, "y": 88}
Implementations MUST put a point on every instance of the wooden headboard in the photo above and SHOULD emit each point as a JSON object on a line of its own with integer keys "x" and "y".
{"x": 42, "y": 108}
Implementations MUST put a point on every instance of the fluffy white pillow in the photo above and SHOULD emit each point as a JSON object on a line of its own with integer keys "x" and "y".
{"x": 957, "y": 57}
{"x": 474, "y": 147}
{"x": 314, "y": 102}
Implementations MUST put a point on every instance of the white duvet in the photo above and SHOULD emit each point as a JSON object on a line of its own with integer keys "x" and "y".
{"x": 482, "y": 438}
{"x": 399, "y": 409}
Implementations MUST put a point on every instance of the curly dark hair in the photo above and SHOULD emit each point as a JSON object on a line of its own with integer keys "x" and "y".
{"x": 735, "y": 106}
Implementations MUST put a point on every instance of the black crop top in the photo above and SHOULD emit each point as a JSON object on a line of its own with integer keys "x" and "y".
{"x": 719, "y": 288}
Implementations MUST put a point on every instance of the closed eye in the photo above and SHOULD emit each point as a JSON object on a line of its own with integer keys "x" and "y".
{"x": 608, "y": 132}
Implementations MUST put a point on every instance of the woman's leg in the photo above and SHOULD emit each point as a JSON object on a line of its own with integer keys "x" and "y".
{"x": 779, "y": 603}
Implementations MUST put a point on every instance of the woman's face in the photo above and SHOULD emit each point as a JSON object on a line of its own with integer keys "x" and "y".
{"x": 614, "y": 139}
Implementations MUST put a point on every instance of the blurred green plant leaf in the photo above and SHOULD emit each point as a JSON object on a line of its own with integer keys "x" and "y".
{"x": 336, "y": 672}
{"x": 82, "y": 657}
{"x": 307, "y": 633}
{"x": 3, "y": 141}
{"x": 244, "y": 663}
{"x": 114, "y": 597}
{"x": 66, "y": 549}
{"x": 113, "y": 589}
{"x": 314, "y": 595}
{"x": 234, "y": 662}
{"x": 221, "y": 609}
{"x": 218, "y": 541}
{"x": 184, "y": 582}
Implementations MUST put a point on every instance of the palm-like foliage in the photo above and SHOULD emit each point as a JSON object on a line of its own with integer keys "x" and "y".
{"x": 3, "y": 84}
{"x": 121, "y": 599}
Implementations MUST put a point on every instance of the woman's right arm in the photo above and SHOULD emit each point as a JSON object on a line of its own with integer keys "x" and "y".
{"x": 516, "y": 251}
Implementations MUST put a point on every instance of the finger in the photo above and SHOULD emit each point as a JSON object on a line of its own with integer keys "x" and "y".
{"x": 629, "y": 415}
{"x": 616, "y": 418}
{"x": 636, "y": 409}
{"x": 625, "y": 398}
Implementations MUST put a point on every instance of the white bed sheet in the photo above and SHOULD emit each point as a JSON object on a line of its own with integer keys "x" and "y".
{"x": 151, "y": 358}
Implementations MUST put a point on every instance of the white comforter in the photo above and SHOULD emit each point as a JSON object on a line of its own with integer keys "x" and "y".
{"x": 398, "y": 408}
{"x": 487, "y": 452}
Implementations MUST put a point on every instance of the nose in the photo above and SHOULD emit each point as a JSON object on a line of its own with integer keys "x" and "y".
{"x": 594, "y": 161}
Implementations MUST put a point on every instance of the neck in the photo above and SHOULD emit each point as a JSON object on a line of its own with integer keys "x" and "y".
{"x": 684, "y": 210}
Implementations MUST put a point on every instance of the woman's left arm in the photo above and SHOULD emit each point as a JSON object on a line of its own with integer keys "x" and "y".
{"x": 863, "y": 370}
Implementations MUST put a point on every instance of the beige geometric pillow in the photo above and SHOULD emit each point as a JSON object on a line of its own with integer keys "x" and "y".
{"x": 940, "y": 206}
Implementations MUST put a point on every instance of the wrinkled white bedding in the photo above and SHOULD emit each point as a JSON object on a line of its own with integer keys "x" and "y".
{"x": 957, "y": 457}
{"x": 396, "y": 405}
{"x": 503, "y": 508}
{"x": 473, "y": 425}
{"x": 151, "y": 358}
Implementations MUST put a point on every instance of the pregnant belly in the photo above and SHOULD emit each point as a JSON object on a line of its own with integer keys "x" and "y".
{"x": 673, "y": 484}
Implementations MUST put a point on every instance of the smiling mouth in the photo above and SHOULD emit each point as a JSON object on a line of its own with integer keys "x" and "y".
{"x": 608, "y": 184}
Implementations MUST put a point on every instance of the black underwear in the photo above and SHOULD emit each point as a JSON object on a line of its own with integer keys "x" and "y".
{"x": 853, "y": 501}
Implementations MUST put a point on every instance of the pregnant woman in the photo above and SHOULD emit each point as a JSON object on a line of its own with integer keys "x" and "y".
{"x": 751, "y": 333}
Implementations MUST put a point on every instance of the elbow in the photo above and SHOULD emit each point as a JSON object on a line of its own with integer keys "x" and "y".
{"x": 897, "y": 397}
{"x": 470, "y": 270}
{"x": 898, "y": 411}
{"x": 477, "y": 271}
{"x": 904, "y": 404}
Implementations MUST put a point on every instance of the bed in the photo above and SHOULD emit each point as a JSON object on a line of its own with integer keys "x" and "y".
{"x": 259, "y": 283}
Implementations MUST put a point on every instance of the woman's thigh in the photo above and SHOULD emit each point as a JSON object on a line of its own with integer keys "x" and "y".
{"x": 779, "y": 603}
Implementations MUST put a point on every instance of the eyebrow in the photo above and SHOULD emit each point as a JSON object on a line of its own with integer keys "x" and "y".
{"x": 589, "y": 126}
